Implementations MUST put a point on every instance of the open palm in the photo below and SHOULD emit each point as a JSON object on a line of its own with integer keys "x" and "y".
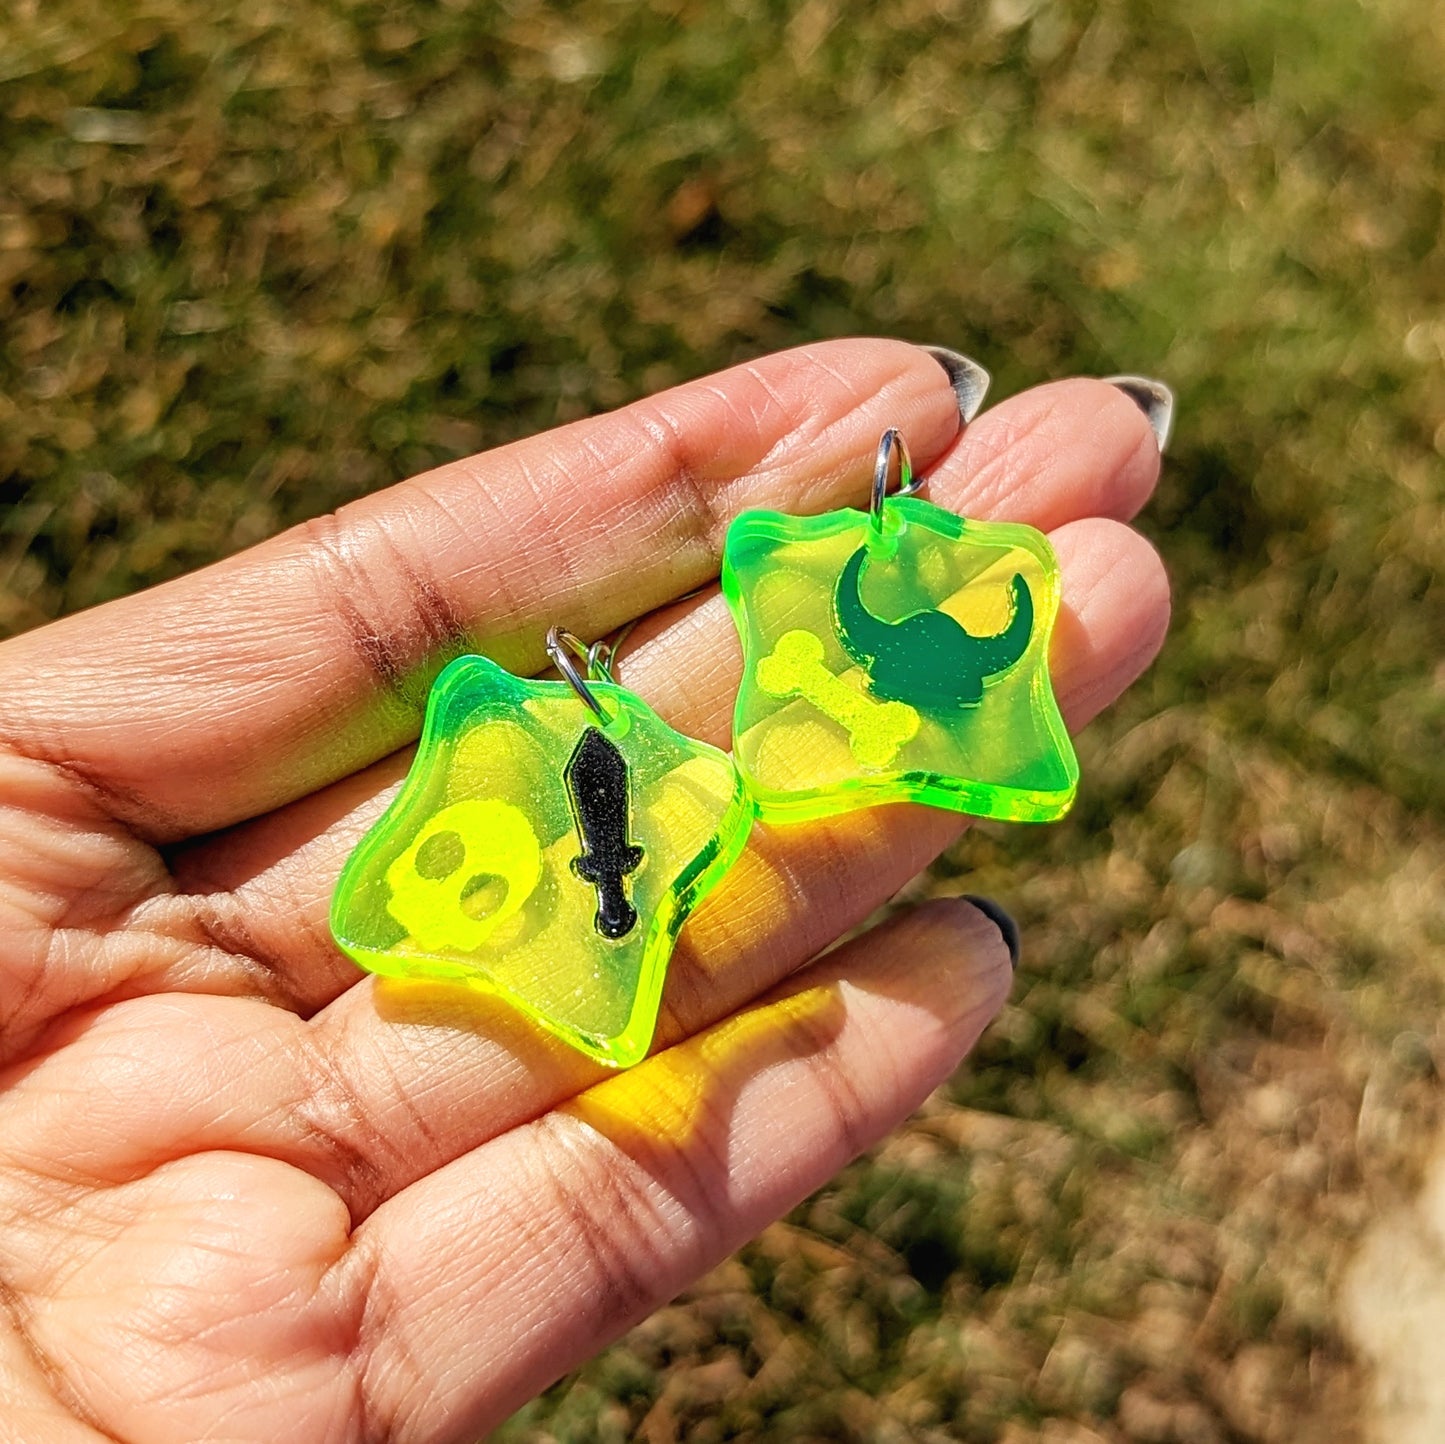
{"x": 247, "y": 1193}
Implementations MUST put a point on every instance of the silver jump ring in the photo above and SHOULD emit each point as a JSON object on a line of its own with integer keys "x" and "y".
{"x": 891, "y": 441}
{"x": 599, "y": 661}
{"x": 563, "y": 648}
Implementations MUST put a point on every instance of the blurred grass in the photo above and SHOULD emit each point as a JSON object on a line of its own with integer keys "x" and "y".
{"x": 254, "y": 262}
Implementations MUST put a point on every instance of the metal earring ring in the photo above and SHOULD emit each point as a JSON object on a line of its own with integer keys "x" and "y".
{"x": 599, "y": 661}
{"x": 563, "y": 647}
{"x": 891, "y": 441}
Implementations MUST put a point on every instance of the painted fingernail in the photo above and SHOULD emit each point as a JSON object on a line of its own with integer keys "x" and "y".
{"x": 1003, "y": 921}
{"x": 968, "y": 379}
{"x": 1153, "y": 398}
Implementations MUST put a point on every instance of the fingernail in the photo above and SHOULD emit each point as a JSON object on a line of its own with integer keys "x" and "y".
{"x": 1153, "y": 398}
{"x": 968, "y": 379}
{"x": 1003, "y": 921}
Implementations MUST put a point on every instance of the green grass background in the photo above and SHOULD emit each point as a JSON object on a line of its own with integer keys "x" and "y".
{"x": 255, "y": 260}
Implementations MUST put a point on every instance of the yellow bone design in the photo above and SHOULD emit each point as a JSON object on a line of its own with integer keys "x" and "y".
{"x": 876, "y": 730}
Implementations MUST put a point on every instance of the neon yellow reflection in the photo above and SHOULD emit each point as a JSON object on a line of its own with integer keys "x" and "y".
{"x": 472, "y": 873}
{"x": 906, "y": 663}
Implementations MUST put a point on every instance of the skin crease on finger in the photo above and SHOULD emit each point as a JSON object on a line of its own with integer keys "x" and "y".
{"x": 248, "y": 1104}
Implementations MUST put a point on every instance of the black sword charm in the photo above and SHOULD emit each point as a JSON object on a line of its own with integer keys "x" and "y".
{"x": 596, "y": 778}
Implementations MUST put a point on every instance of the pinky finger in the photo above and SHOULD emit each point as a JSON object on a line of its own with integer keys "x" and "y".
{"x": 497, "y": 1274}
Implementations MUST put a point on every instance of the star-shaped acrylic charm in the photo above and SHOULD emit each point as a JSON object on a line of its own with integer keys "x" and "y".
{"x": 894, "y": 661}
{"x": 545, "y": 854}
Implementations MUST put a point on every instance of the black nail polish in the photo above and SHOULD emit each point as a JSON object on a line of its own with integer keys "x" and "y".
{"x": 968, "y": 379}
{"x": 1153, "y": 398}
{"x": 1003, "y": 921}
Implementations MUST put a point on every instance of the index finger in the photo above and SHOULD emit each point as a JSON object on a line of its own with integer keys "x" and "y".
{"x": 231, "y": 691}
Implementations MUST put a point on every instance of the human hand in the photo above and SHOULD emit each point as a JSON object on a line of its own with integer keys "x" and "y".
{"x": 249, "y": 1193}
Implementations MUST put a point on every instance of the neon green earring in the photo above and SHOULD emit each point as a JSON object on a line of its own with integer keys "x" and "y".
{"x": 899, "y": 653}
{"x": 548, "y": 844}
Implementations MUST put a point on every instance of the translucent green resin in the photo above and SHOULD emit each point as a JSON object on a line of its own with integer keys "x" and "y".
{"x": 483, "y": 871}
{"x": 903, "y": 662}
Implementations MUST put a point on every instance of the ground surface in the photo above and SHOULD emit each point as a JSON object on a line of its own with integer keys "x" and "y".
{"x": 252, "y": 264}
